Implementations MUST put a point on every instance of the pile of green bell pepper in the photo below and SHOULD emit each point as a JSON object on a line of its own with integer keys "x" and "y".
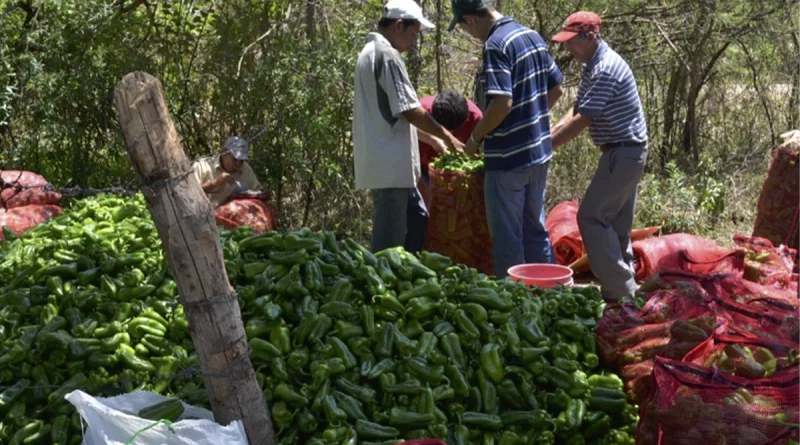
{"x": 349, "y": 346}
{"x": 457, "y": 163}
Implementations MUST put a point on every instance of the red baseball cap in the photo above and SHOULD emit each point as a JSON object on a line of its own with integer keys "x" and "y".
{"x": 581, "y": 21}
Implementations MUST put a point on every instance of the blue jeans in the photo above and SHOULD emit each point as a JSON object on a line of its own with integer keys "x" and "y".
{"x": 400, "y": 219}
{"x": 515, "y": 215}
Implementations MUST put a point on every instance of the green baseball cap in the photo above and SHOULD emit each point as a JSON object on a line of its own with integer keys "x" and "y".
{"x": 463, "y": 7}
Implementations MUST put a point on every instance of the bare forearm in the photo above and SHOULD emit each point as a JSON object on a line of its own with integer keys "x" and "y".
{"x": 553, "y": 94}
{"x": 209, "y": 185}
{"x": 564, "y": 119}
{"x": 429, "y": 139}
{"x": 497, "y": 111}
{"x": 421, "y": 119}
{"x": 568, "y": 128}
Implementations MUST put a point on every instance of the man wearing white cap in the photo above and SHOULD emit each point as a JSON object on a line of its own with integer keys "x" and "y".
{"x": 227, "y": 173}
{"x": 388, "y": 121}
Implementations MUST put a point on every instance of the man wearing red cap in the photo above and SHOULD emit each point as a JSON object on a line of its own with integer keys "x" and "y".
{"x": 608, "y": 103}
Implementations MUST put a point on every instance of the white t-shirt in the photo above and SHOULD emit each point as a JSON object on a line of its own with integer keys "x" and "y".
{"x": 385, "y": 145}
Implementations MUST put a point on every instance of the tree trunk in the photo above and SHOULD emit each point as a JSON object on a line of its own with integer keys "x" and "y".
{"x": 311, "y": 20}
{"x": 697, "y": 80}
{"x": 794, "y": 99}
{"x": 439, "y": 13}
{"x": 185, "y": 222}
{"x": 415, "y": 55}
{"x": 676, "y": 83}
{"x": 761, "y": 95}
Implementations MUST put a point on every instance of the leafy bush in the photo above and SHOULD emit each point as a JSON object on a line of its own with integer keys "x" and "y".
{"x": 679, "y": 202}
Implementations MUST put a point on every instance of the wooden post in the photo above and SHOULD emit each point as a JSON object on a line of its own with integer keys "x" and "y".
{"x": 185, "y": 222}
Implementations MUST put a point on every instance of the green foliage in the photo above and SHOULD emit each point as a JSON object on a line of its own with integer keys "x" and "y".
{"x": 679, "y": 202}
{"x": 229, "y": 66}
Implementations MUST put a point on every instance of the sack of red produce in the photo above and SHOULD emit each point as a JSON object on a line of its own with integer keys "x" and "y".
{"x": 27, "y": 197}
{"x": 562, "y": 226}
{"x": 741, "y": 353}
{"x": 677, "y": 251}
{"x": 22, "y": 188}
{"x": 22, "y": 178}
{"x": 18, "y": 224}
{"x": 769, "y": 322}
{"x": 246, "y": 212}
{"x": 767, "y": 264}
{"x": 22, "y": 219}
{"x": 779, "y": 202}
{"x": 37, "y": 213}
{"x": 671, "y": 322}
{"x": 638, "y": 380}
{"x": 457, "y": 226}
{"x": 692, "y": 405}
{"x": 767, "y": 297}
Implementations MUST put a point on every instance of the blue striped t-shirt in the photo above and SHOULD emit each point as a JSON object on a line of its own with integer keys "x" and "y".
{"x": 516, "y": 63}
{"x": 608, "y": 94}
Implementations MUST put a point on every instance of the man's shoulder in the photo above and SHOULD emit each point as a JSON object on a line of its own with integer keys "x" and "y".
{"x": 377, "y": 47}
{"x": 206, "y": 160}
{"x": 611, "y": 64}
{"x": 509, "y": 31}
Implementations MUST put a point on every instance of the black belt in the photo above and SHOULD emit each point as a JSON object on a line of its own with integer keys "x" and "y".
{"x": 613, "y": 145}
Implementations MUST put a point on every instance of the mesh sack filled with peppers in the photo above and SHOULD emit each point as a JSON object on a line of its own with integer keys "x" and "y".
{"x": 693, "y": 404}
{"x": 349, "y": 347}
{"x": 457, "y": 225}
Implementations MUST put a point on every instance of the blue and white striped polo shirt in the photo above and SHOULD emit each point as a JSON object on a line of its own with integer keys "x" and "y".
{"x": 608, "y": 94}
{"x": 516, "y": 63}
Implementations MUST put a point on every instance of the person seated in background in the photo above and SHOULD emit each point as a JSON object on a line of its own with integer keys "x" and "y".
{"x": 454, "y": 112}
{"x": 228, "y": 174}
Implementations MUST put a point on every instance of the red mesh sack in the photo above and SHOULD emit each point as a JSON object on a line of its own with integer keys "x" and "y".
{"x": 21, "y": 188}
{"x": 17, "y": 223}
{"x": 693, "y": 405}
{"x": 27, "y": 197}
{"x": 673, "y": 339}
{"x": 766, "y": 322}
{"x": 23, "y": 178}
{"x": 777, "y": 214}
{"x": 638, "y": 381}
{"x": 457, "y": 226}
{"x": 671, "y": 322}
{"x": 37, "y": 213}
{"x": 246, "y": 212}
{"x": 767, "y": 264}
{"x": 742, "y": 354}
{"x": 562, "y": 225}
{"x": 662, "y": 253}
{"x": 756, "y": 295}
{"x": 21, "y": 219}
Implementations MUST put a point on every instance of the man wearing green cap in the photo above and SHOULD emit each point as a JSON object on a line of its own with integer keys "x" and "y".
{"x": 521, "y": 83}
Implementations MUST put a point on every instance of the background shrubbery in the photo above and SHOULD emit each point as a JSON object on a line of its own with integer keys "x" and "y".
{"x": 719, "y": 81}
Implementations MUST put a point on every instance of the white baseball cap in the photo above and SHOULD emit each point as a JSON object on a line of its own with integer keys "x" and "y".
{"x": 406, "y": 9}
{"x": 238, "y": 147}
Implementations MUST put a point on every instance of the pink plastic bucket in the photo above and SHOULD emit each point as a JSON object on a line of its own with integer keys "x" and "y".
{"x": 542, "y": 275}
